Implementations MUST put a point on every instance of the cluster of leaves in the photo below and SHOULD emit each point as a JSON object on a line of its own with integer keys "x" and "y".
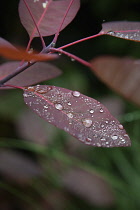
{"x": 76, "y": 114}
{"x": 81, "y": 116}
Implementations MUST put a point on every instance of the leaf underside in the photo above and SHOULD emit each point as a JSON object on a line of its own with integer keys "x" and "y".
{"x": 39, "y": 72}
{"x": 121, "y": 74}
{"x": 122, "y": 29}
{"x": 52, "y": 18}
{"x": 82, "y": 117}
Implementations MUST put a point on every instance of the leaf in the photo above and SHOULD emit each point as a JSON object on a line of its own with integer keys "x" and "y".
{"x": 4, "y": 42}
{"x": 18, "y": 166}
{"x": 39, "y": 72}
{"x": 88, "y": 186}
{"x": 121, "y": 74}
{"x": 122, "y": 29}
{"x": 21, "y": 54}
{"x": 52, "y": 18}
{"x": 81, "y": 116}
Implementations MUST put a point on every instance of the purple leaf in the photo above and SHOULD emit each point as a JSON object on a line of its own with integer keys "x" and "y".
{"x": 34, "y": 74}
{"x": 122, "y": 29}
{"x": 5, "y": 43}
{"x": 121, "y": 74}
{"x": 83, "y": 117}
{"x": 52, "y": 18}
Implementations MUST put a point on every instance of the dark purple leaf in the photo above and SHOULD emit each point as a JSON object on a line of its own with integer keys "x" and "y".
{"x": 88, "y": 186}
{"x": 5, "y": 43}
{"x": 83, "y": 117}
{"x": 34, "y": 74}
{"x": 52, "y": 18}
{"x": 121, "y": 74}
{"x": 122, "y": 29}
{"x": 17, "y": 166}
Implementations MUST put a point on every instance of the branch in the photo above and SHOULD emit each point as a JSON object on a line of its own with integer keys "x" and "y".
{"x": 59, "y": 29}
{"x": 73, "y": 57}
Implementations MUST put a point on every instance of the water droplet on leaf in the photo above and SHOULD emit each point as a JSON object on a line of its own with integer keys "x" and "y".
{"x": 101, "y": 110}
{"x": 59, "y": 106}
{"x": 70, "y": 115}
{"x": 87, "y": 122}
{"x": 121, "y": 127}
{"x": 114, "y": 137}
{"x": 91, "y": 111}
{"x": 76, "y": 93}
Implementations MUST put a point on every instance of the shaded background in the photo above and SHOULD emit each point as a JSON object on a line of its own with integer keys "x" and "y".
{"x": 61, "y": 173}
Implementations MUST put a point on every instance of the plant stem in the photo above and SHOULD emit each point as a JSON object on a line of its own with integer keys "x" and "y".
{"x": 73, "y": 57}
{"x": 80, "y": 40}
{"x": 42, "y": 40}
{"x": 59, "y": 29}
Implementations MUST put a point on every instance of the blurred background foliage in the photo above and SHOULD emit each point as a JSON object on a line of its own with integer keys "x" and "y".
{"x": 42, "y": 167}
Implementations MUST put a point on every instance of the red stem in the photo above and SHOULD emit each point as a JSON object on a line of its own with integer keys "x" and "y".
{"x": 42, "y": 40}
{"x": 85, "y": 63}
{"x": 59, "y": 29}
{"x": 13, "y": 86}
{"x": 80, "y": 40}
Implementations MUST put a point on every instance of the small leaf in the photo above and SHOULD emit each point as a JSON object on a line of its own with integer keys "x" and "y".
{"x": 21, "y": 54}
{"x": 121, "y": 74}
{"x": 39, "y": 72}
{"x": 83, "y": 117}
{"x": 122, "y": 29}
{"x": 52, "y": 18}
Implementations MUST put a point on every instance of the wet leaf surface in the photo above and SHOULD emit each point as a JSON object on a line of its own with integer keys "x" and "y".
{"x": 52, "y": 18}
{"x": 39, "y": 72}
{"x": 83, "y": 117}
{"x": 121, "y": 74}
{"x": 122, "y": 29}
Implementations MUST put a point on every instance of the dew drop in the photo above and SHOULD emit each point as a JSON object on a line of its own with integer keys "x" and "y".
{"x": 70, "y": 115}
{"x": 41, "y": 91}
{"x": 31, "y": 89}
{"x": 76, "y": 93}
{"x": 101, "y": 110}
{"x": 69, "y": 103}
{"x": 72, "y": 59}
{"x": 91, "y": 111}
{"x": 88, "y": 141}
{"x": 44, "y": 4}
{"x": 87, "y": 122}
{"x": 114, "y": 137}
{"x": 59, "y": 106}
{"x": 25, "y": 95}
{"x": 121, "y": 127}
{"x": 103, "y": 139}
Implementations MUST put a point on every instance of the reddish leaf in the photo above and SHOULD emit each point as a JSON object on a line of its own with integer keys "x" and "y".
{"x": 17, "y": 166}
{"x": 34, "y": 74}
{"x": 52, "y": 18}
{"x": 89, "y": 186}
{"x": 81, "y": 116}
{"x": 121, "y": 74}
{"x": 5, "y": 43}
{"x": 21, "y": 54}
{"x": 122, "y": 29}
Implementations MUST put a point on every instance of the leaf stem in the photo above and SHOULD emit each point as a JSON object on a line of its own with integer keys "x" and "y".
{"x": 36, "y": 25}
{"x": 73, "y": 57}
{"x": 81, "y": 40}
{"x": 59, "y": 29}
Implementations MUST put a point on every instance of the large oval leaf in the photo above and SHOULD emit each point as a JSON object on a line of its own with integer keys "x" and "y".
{"x": 51, "y": 20}
{"x": 121, "y": 74}
{"x": 39, "y": 72}
{"x": 4, "y": 42}
{"x": 83, "y": 117}
{"x": 122, "y": 29}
